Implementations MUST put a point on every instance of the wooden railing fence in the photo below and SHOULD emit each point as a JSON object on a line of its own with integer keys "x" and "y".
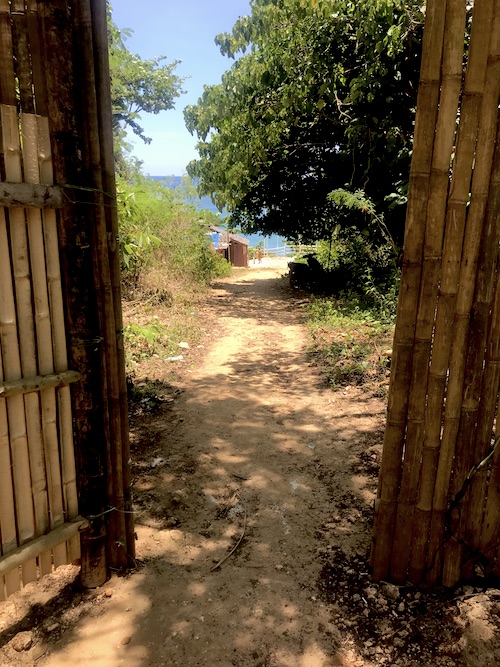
{"x": 437, "y": 514}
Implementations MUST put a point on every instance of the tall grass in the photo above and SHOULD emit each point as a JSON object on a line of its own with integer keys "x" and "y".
{"x": 167, "y": 262}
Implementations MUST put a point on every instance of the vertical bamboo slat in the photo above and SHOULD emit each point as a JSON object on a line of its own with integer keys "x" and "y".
{"x": 446, "y": 398}
{"x": 434, "y": 230}
{"x": 425, "y": 122}
{"x": 452, "y": 250}
{"x": 7, "y": 508}
{"x": 467, "y": 280}
{"x": 22, "y": 360}
{"x": 101, "y": 63}
{"x": 62, "y": 79}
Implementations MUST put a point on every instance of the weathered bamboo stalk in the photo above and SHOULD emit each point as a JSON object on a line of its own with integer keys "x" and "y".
{"x": 425, "y": 121}
{"x": 68, "y": 466}
{"x": 26, "y": 429}
{"x": 453, "y": 241}
{"x": 117, "y": 532}
{"x": 7, "y": 508}
{"x": 436, "y": 210}
{"x": 30, "y": 196}
{"x": 76, "y": 265}
{"x": 481, "y": 379}
{"x": 468, "y": 270}
{"x": 42, "y": 544}
{"x": 101, "y": 65}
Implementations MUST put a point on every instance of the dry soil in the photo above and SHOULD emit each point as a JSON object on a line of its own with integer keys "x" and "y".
{"x": 253, "y": 485}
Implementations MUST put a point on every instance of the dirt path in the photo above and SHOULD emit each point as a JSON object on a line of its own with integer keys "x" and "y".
{"x": 255, "y": 455}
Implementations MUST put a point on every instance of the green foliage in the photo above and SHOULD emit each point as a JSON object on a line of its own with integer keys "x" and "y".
{"x": 158, "y": 229}
{"x": 362, "y": 265}
{"x": 324, "y": 93}
{"x": 143, "y": 341}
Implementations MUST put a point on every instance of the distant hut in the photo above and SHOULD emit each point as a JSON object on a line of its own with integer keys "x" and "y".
{"x": 231, "y": 246}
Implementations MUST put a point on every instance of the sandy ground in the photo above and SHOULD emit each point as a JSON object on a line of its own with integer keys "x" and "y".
{"x": 253, "y": 484}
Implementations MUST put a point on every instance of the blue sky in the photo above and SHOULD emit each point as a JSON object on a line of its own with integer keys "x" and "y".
{"x": 182, "y": 31}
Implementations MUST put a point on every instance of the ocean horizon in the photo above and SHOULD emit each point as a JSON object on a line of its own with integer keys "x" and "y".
{"x": 273, "y": 243}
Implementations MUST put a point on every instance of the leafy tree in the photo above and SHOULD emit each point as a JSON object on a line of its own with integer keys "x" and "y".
{"x": 137, "y": 86}
{"x": 320, "y": 99}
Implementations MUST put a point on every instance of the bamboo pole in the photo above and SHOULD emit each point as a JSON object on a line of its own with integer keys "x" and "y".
{"x": 436, "y": 211}
{"x": 101, "y": 59}
{"x": 468, "y": 270}
{"x": 44, "y": 336}
{"x": 38, "y": 383}
{"x": 42, "y": 544}
{"x": 7, "y": 508}
{"x": 481, "y": 488}
{"x": 68, "y": 465}
{"x": 61, "y": 79}
{"x": 481, "y": 378}
{"x": 117, "y": 542}
{"x": 425, "y": 121}
{"x": 12, "y": 370}
{"x": 452, "y": 250}
{"x": 26, "y": 195}
{"x": 51, "y": 238}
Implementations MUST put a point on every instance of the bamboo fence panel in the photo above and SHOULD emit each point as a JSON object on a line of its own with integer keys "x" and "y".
{"x": 450, "y": 386}
{"x": 433, "y": 240}
{"x": 425, "y": 122}
{"x": 45, "y": 175}
{"x": 24, "y": 413}
{"x": 38, "y": 494}
{"x": 7, "y": 508}
{"x": 81, "y": 148}
{"x": 452, "y": 249}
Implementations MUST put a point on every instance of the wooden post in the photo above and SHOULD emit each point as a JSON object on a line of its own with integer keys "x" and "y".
{"x": 101, "y": 60}
{"x": 117, "y": 547}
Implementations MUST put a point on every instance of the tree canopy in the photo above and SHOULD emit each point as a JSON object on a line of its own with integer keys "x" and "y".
{"x": 321, "y": 97}
{"x": 137, "y": 85}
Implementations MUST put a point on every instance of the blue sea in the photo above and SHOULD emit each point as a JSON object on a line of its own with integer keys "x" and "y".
{"x": 273, "y": 244}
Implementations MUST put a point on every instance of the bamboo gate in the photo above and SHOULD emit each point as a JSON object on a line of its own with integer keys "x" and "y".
{"x": 63, "y": 412}
{"x": 437, "y": 513}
